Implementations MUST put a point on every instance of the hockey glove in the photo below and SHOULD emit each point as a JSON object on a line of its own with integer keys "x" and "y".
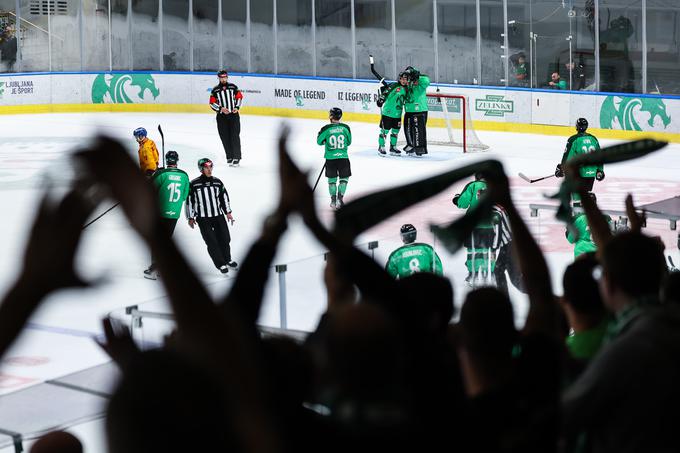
{"x": 455, "y": 199}
{"x": 559, "y": 173}
{"x": 599, "y": 175}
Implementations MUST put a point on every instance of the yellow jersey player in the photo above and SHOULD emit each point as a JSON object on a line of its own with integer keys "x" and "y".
{"x": 148, "y": 153}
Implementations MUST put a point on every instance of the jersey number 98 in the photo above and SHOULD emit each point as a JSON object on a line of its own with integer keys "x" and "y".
{"x": 336, "y": 141}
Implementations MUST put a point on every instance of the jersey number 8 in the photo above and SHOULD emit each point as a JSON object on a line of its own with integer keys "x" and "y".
{"x": 336, "y": 141}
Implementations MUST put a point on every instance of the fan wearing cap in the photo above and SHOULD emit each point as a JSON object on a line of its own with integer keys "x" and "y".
{"x": 225, "y": 100}
{"x": 412, "y": 257}
{"x": 148, "y": 153}
{"x": 172, "y": 185}
{"x": 207, "y": 207}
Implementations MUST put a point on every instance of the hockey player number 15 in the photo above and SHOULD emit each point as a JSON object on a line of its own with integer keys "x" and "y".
{"x": 175, "y": 193}
{"x": 337, "y": 141}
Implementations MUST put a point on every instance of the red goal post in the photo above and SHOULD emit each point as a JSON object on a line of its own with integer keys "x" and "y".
{"x": 450, "y": 122}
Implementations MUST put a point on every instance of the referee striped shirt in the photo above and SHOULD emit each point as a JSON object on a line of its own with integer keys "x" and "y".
{"x": 501, "y": 228}
{"x": 225, "y": 96}
{"x": 207, "y": 198}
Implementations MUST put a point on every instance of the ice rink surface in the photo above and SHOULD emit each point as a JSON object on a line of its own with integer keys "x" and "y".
{"x": 34, "y": 152}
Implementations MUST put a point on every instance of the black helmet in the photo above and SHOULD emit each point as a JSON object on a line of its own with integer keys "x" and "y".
{"x": 222, "y": 73}
{"x": 581, "y": 124}
{"x": 171, "y": 157}
{"x": 335, "y": 113}
{"x": 408, "y": 233}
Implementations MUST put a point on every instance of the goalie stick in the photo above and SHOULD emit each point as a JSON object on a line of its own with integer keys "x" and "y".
{"x": 531, "y": 181}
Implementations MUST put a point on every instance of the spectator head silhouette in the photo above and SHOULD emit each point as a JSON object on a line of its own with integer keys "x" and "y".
{"x": 427, "y": 302}
{"x": 634, "y": 267}
{"x": 57, "y": 442}
{"x": 581, "y": 291}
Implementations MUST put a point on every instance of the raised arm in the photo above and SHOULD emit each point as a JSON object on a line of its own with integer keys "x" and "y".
{"x": 543, "y": 313}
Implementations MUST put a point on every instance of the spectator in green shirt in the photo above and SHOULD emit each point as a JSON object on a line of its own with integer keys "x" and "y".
{"x": 556, "y": 82}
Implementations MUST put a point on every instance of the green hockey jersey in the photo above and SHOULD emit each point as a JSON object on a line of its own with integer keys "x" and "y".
{"x": 582, "y": 143}
{"x": 584, "y": 243}
{"x": 416, "y": 98}
{"x": 173, "y": 189}
{"x": 395, "y": 96}
{"x": 336, "y": 137}
{"x": 469, "y": 198}
{"x": 413, "y": 258}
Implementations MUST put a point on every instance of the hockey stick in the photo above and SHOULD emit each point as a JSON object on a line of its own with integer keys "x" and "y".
{"x": 375, "y": 73}
{"x": 160, "y": 131}
{"x": 100, "y": 216}
{"x": 531, "y": 181}
{"x": 319, "y": 178}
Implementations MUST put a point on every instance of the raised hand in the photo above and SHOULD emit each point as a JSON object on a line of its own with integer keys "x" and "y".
{"x": 110, "y": 164}
{"x": 50, "y": 252}
{"x": 119, "y": 344}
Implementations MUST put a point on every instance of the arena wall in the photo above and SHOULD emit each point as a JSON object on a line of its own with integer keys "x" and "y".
{"x": 620, "y": 116}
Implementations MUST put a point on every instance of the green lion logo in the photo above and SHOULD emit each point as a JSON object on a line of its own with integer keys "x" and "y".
{"x": 2, "y": 90}
{"x": 623, "y": 113}
{"x": 364, "y": 104}
{"x": 298, "y": 101}
{"x": 112, "y": 88}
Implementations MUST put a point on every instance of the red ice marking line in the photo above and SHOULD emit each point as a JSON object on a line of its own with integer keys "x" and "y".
{"x": 8, "y": 381}
{"x": 26, "y": 361}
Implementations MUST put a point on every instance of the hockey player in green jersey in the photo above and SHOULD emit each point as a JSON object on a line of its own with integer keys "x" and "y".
{"x": 336, "y": 137}
{"x": 480, "y": 261}
{"x": 584, "y": 242}
{"x": 391, "y": 101}
{"x": 173, "y": 188}
{"x": 415, "y": 118}
{"x": 582, "y": 143}
{"x": 412, "y": 257}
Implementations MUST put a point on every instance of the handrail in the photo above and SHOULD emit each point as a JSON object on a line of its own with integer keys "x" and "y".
{"x": 35, "y": 26}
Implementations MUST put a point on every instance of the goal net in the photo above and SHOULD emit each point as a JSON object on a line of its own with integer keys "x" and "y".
{"x": 449, "y": 122}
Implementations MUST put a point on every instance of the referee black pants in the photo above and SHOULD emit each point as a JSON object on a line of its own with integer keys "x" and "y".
{"x": 229, "y": 128}
{"x": 505, "y": 262}
{"x": 215, "y": 233}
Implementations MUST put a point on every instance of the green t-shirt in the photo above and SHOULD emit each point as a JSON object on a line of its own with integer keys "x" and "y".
{"x": 395, "y": 96}
{"x": 416, "y": 98}
{"x": 336, "y": 137}
{"x": 413, "y": 258}
{"x": 561, "y": 85}
{"x": 173, "y": 189}
{"x": 584, "y": 345}
{"x": 582, "y": 143}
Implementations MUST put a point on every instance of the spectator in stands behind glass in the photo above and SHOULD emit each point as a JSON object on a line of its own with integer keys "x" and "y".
{"x": 556, "y": 82}
{"x": 521, "y": 69}
{"x": 578, "y": 75}
{"x": 8, "y": 48}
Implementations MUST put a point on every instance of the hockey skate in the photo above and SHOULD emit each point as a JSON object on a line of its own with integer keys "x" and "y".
{"x": 468, "y": 279}
{"x": 394, "y": 151}
{"x": 420, "y": 151}
{"x": 151, "y": 273}
{"x": 340, "y": 203}
{"x": 235, "y": 163}
{"x": 233, "y": 265}
{"x": 381, "y": 150}
{"x": 334, "y": 202}
{"x": 408, "y": 149}
{"x": 224, "y": 269}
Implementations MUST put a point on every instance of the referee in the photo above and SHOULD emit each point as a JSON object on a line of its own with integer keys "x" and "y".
{"x": 225, "y": 100}
{"x": 207, "y": 205}
{"x": 502, "y": 244}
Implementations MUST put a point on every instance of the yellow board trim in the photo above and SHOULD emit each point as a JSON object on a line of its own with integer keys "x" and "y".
{"x": 497, "y": 126}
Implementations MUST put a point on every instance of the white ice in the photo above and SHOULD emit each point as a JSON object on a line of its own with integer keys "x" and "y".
{"x": 35, "y": 149}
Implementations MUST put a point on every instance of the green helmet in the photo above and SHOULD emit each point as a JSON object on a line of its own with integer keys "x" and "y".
{"x": 203, "y": 162}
